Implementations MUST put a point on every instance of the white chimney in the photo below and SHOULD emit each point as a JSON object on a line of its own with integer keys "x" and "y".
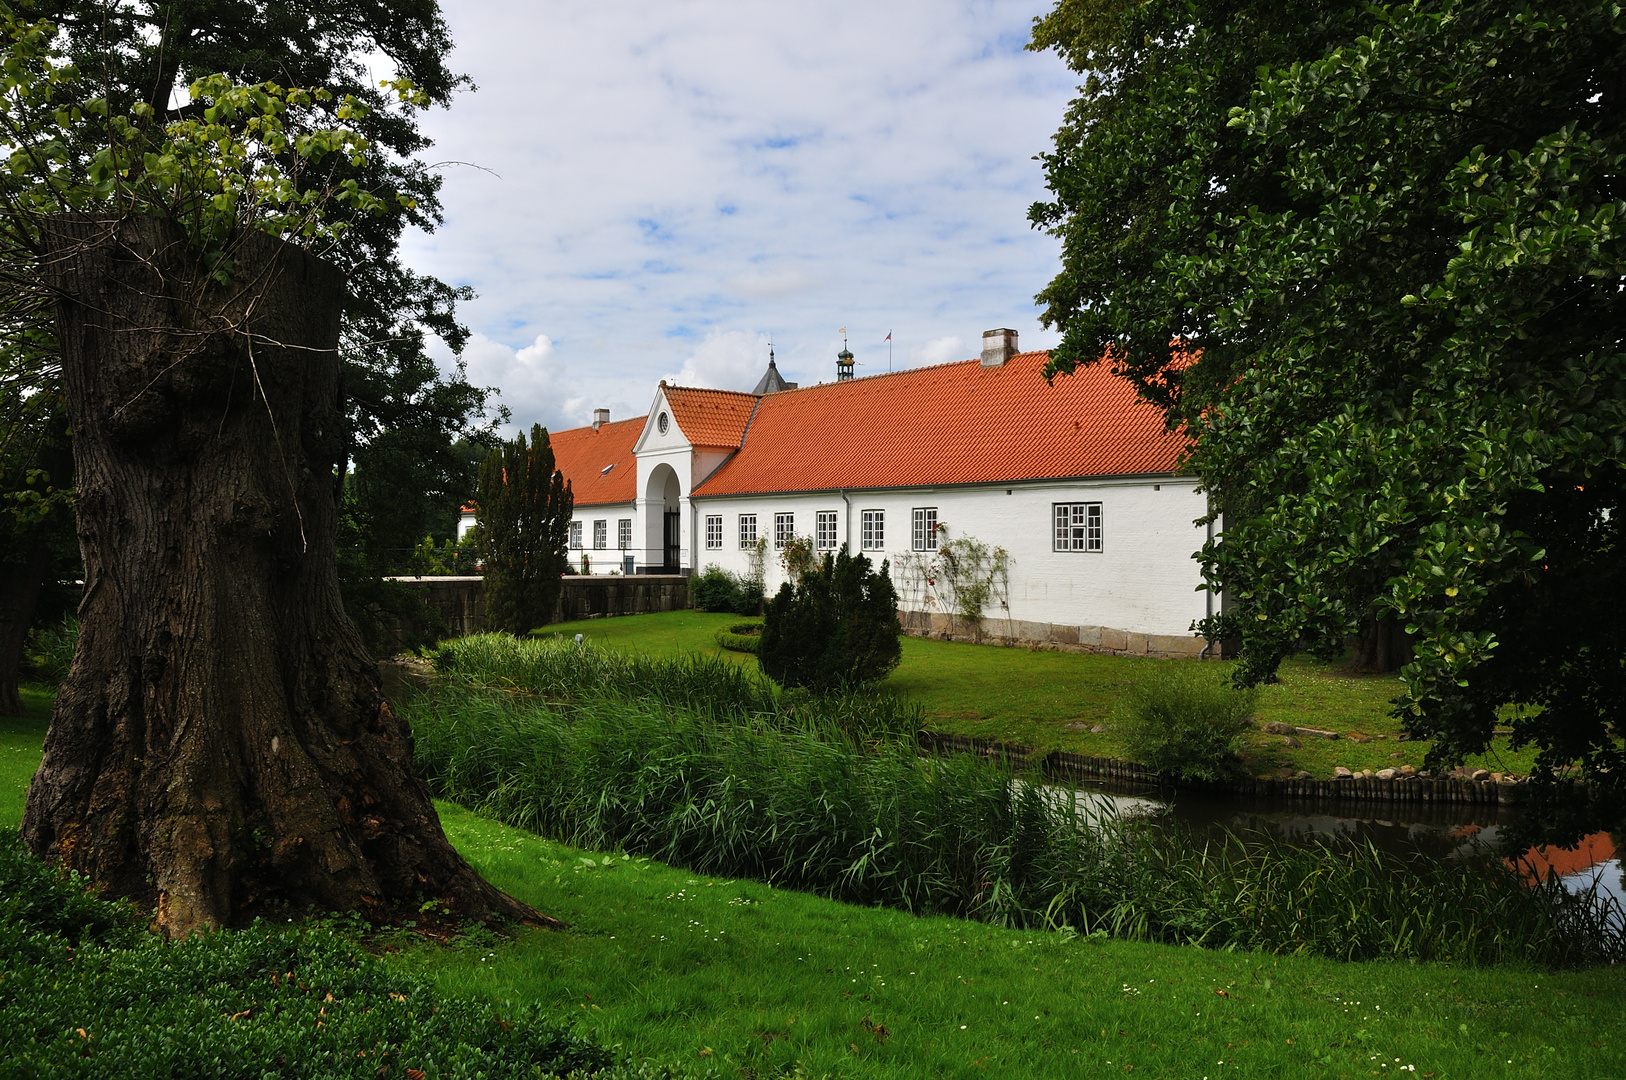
{"x": 600, "y": 418}
{"x": 998, "y": 346}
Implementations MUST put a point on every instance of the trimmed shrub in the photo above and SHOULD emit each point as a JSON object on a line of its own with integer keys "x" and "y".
{"x": 741, "y": 636}
{"x": 1185, "y": 721}
{"x": 836, "y": 629}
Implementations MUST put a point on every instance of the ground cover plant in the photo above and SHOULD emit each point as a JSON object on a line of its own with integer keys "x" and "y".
{"x": 1053, "y": 700}
{"x": 795, "y": 803}
{"x": 85, "y": 991}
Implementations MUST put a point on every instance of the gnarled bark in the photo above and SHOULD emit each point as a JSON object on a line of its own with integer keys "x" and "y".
{"x": 222, "y": 740}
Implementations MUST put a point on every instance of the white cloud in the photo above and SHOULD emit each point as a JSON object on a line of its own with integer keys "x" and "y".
{"x": 943, "y": 350}
{"x": 773, "y": 285}
{"x": 726, "y": 360}
{"x": 671, "y": 179}
{"x": 532, "y": 382}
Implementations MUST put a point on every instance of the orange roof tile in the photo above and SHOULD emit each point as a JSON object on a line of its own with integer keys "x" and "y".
{"x": 1593, "y": 849}
{"x": 710, "y": 417}
{"x": 949, "y": 424}
{"x": 583, "y": 454}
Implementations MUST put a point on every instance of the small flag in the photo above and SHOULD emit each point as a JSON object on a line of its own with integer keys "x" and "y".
{"x": 889, "y": 335}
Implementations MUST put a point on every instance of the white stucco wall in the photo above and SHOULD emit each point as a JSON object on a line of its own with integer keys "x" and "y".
{"x": 1143, "y": 580}
{"x": 606, "y": 560}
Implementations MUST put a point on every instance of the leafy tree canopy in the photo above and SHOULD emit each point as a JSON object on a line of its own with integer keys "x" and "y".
{"x": 145, "y": 52}
{"x": 1370, "y": 260}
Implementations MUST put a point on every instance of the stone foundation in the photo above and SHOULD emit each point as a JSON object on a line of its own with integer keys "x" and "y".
{"x": 1054, "y": 636}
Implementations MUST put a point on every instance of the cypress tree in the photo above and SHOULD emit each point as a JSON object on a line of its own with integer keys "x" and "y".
{"x": 524, "y": 507}
{"x": 836, "y": 629}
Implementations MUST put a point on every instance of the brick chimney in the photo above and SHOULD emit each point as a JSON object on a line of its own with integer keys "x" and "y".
{"x": 998, "y": 346}
{"x": 600, "y": 418}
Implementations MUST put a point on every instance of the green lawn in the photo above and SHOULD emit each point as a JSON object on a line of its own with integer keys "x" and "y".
{"x": 758, "y": 982}
{"x": 21, "y": 739}
{"x": 1049, "y": 700}
{"x": 734, "y": 979}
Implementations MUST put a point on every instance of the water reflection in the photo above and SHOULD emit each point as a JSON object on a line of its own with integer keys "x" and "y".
{"x": 1444, "y": 830}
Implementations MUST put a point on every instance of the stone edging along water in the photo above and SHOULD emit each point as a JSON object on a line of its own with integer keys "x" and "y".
{"x": 1064, "y": 766}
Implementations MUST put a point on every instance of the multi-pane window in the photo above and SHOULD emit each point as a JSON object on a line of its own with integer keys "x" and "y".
{"x": 714, "y": 531}
{"x": 623, "y": 533}
{"x": 575, "y": 534}
{"x": 924, "y": 531}
{"x": 601, "y": 533}
{"x": 873, "y": 537}
{"x": 748, "y": 530}
{"x": 784, "y": 529}
{"x": 825, "y": 532}
{"x": 1078, "y": 526}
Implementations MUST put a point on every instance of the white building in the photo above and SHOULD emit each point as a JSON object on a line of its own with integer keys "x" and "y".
{"x": 1075, "y": 481}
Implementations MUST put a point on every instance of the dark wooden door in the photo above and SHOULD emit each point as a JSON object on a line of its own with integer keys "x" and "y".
{"x": 674, "y": 540}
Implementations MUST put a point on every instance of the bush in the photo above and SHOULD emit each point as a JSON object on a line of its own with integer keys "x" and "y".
{"x": 715, "y": 589}
{"x": 48, "y": 654}
{"x": 741, "y": 636}
{"x": 84, "y": 992}
{"x": 1185, "y": 722}
{"x": 836, "y": 629}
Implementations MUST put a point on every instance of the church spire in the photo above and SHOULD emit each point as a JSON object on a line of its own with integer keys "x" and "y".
{"x": 771, "y": 381}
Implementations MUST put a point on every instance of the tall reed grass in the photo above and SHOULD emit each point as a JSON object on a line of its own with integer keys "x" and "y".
{"x": 562, "y": 672}
{"x": 754, "y": 794}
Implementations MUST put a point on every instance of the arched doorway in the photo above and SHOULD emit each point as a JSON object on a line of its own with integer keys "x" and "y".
{"x": 663, "y": 523}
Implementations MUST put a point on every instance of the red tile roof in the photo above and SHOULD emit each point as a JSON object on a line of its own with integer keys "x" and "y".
{"x": 582, "y": 454}
{"x": 950, "y": 424}
{"x": 710, "y": 417}
{"x": 1593, "y": 849}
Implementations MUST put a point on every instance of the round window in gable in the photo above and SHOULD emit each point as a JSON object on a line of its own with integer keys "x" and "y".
{"x": 662, "y": 422}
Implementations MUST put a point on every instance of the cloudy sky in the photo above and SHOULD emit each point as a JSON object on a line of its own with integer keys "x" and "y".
{"x": 662, "y": 186}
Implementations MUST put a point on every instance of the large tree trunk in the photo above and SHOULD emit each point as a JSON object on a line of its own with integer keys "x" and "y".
{"x": 1381, "y": 647}
{"x": 222, "y": 741}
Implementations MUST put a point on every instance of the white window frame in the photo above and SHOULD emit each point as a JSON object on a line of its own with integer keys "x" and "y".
{"x": 1077, "y": 527}
{"x": 623, "y": 533}
{"x": 824, "y": 530}
{"x": 714, "y": 532}
{"x": 873, "y": 536}
{"x": 601, "y": 534}
{"x": 923, "y": 528}
{"x": 576, "y": 534}
{"x": 748, "y": 530}
{"x": 784, "y": 529}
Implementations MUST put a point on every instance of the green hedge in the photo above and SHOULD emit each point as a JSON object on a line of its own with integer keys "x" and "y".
{"x": 741, "y": 636}
{"x": 86, "y": 992}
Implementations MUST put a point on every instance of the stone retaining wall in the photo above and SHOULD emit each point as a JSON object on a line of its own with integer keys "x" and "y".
{"x": 1063, "y": 766}
{"x": 1057, "y": 636}
{"x": 461, "y": 601}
